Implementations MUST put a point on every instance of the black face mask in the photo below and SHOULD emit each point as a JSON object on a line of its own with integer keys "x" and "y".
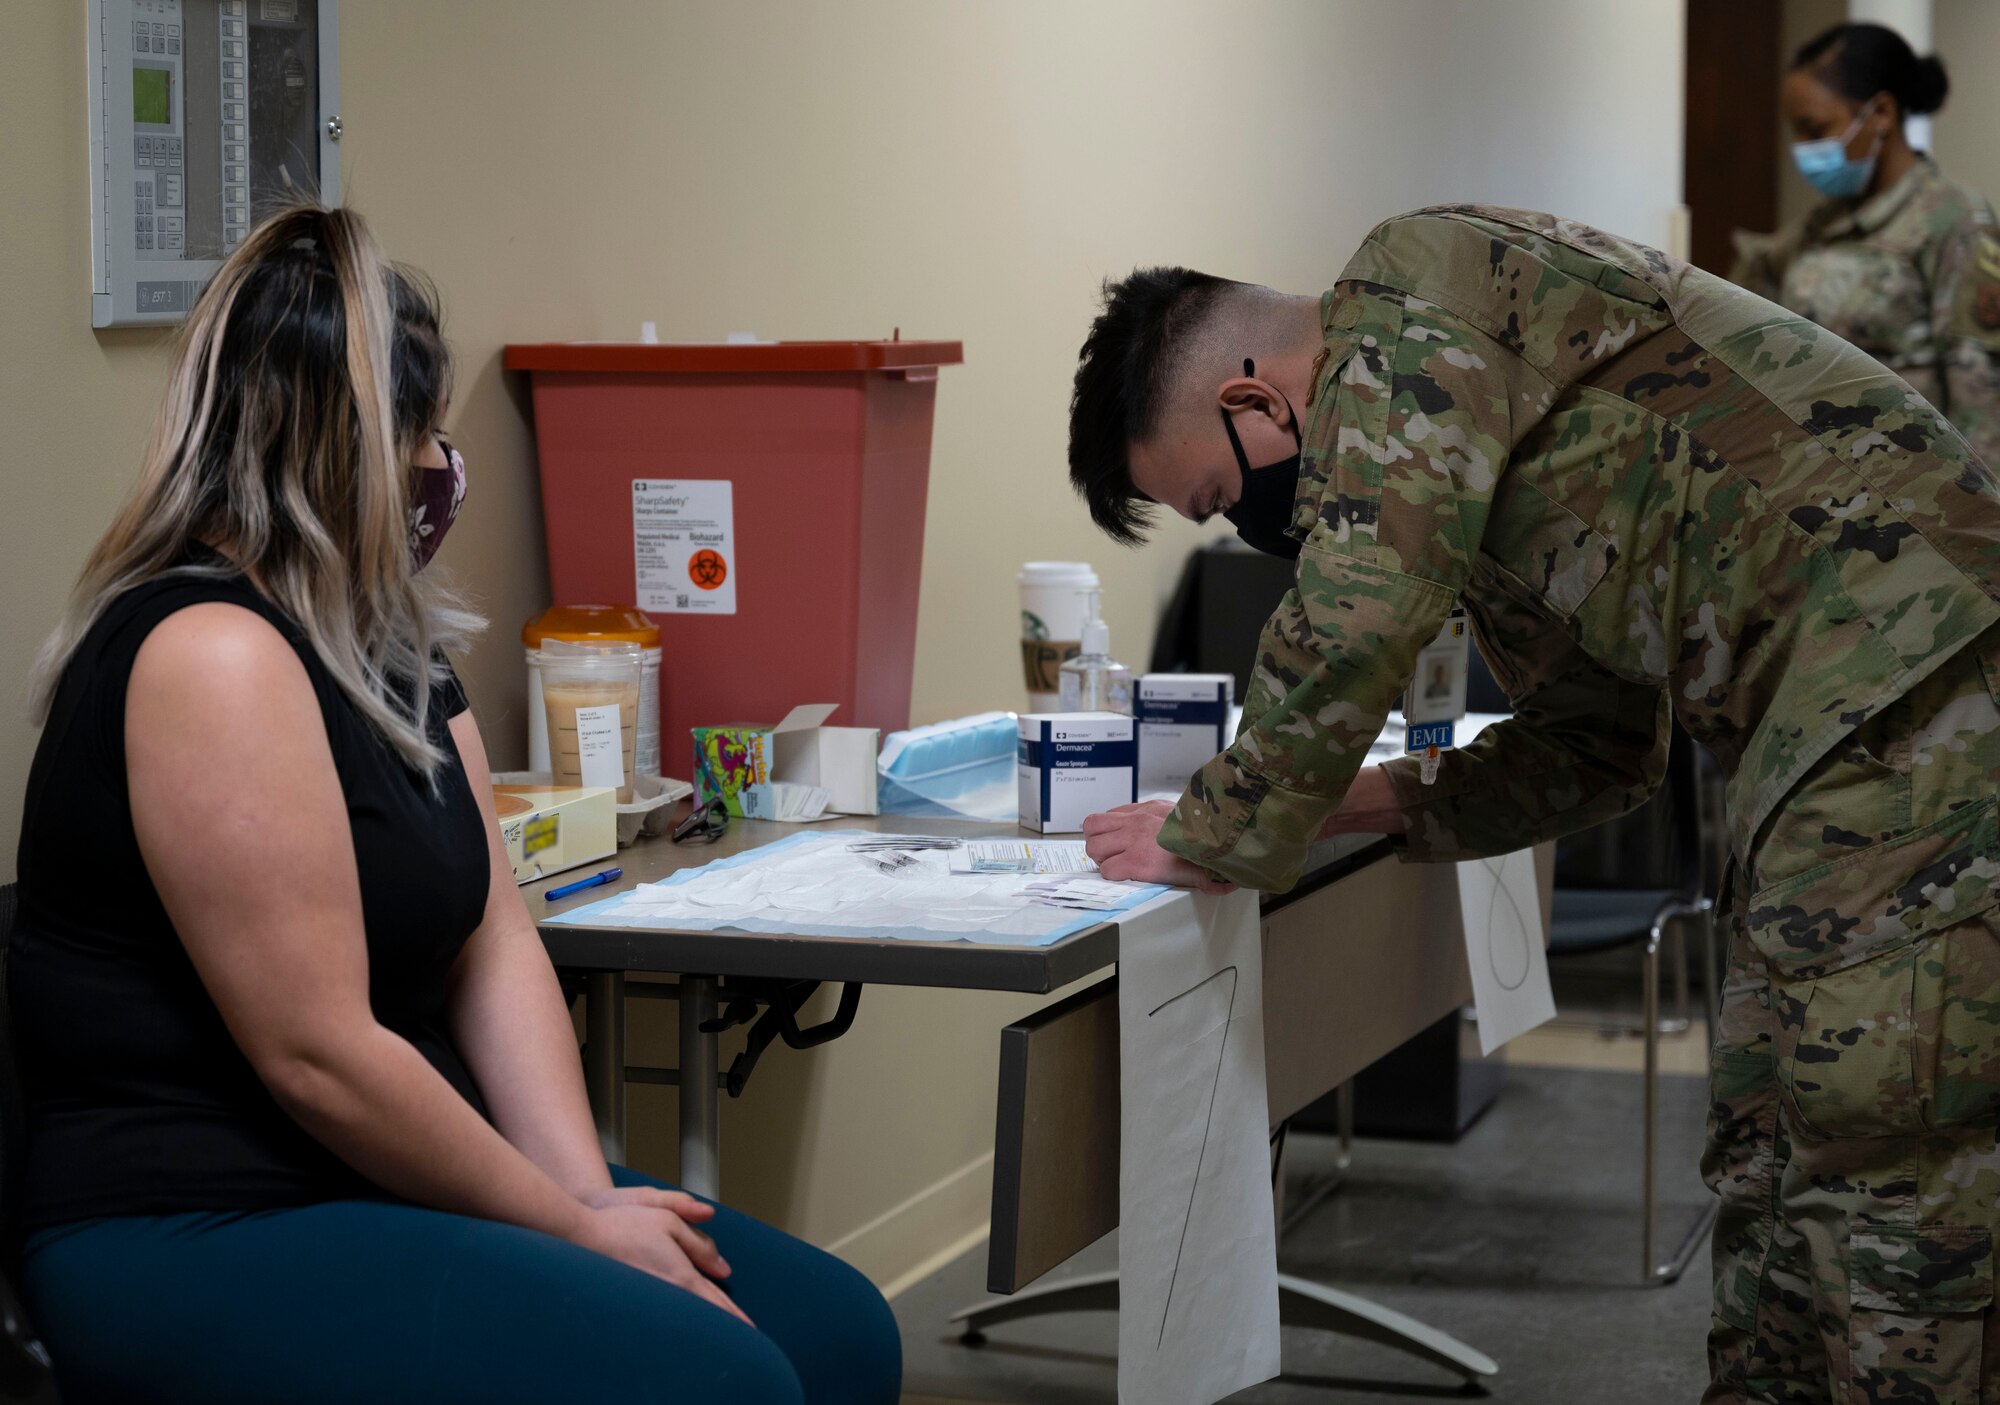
{"x": 1263, "y": 510}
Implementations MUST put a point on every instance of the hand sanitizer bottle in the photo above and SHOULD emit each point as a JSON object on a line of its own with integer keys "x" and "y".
{"x": 1093, "y": 681}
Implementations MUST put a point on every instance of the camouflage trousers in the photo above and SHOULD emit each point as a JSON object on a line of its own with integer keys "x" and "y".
{"x": 1855, "y": 1075}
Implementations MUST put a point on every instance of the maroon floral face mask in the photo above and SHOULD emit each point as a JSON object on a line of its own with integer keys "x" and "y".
{"x": 440, "y": 493}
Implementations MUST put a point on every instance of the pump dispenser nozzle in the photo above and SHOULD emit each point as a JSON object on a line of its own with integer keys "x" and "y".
{"x": 1093, "y": 681}
{"x": 1096, "y": 633}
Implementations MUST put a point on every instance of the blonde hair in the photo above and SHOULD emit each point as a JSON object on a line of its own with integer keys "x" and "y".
{"x": 303, "y": 383}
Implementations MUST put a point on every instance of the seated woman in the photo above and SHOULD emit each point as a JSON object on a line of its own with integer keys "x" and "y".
{"x": 307, "y": 1120}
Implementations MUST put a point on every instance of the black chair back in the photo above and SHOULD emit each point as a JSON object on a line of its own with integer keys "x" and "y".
{"x": 13, "y": 1110}
{"x": 24, "y": 1362}
{"x": 1658, "y": 845}
{"x": 1483, "y": 692}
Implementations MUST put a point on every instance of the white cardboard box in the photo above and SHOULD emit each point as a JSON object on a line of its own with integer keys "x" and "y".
{"x": 1183, "y": 721}
{"x": 1073, "y": 764}
{"x": 548, "y": 828}
{"x": 805, "y": 751}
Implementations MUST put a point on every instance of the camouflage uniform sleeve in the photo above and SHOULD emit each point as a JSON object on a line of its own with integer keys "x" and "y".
{"x": 1403, "y": 456}
{"x": 1965, "y": 321}
{"x": 1584, "y": 746}
{"x": 1332, "y": 662}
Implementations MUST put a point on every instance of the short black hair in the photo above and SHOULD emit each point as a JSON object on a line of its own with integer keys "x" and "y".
{"x": 1860, "y": 60}
{"x": 1122, "y": 375}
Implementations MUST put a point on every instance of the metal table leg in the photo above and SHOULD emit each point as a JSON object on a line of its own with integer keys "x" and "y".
{"x": 701, "y": 1109}
{"x": 1654, "y": 1269}
{"x": 604, "y": 1059}
{"x": 1300, "y": 1303}
{"x": 1087, "y": 1292}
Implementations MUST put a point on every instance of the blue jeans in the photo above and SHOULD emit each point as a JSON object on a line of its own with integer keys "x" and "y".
{"x": 378, "y": 1300}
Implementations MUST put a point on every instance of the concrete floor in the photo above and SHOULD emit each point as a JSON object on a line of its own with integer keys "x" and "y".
{"x": 1522, "y": 1240}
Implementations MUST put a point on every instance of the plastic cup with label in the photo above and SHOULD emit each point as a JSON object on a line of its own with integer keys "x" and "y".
{"x": 590, "y": 694}
{"x": 1055, "y": 604}
{"x": 617, "y": 624}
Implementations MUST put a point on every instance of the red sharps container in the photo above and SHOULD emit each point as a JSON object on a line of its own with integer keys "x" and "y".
{"x": 762, "y": 502}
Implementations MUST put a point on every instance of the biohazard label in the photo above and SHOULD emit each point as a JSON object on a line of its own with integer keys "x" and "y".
{"x": 707, "y": 569}
{"x": 684, "y": 545}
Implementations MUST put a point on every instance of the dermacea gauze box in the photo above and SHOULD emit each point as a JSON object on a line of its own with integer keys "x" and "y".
{"x": 1183, "y": 721}
{"x": 1073, "y": 764}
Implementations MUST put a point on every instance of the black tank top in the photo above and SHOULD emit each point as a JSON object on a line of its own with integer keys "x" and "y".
{"x": 139, "y": 1102}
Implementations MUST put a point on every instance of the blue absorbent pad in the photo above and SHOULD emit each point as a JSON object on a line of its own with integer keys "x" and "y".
{"x": 607, "y": 912}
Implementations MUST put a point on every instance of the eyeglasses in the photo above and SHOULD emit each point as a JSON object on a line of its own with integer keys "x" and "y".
{"x": 705, "y": 823}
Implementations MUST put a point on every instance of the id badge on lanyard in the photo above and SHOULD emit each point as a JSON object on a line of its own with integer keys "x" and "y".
{"x": 1436, "y": 697}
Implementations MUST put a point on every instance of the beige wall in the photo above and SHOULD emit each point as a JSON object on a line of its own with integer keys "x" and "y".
{"x": 1804, "y": 21}
{"x": 1967, "y": 33}
{"x": 967, "y": 170}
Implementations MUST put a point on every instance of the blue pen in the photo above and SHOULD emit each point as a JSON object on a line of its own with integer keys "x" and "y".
{"x": 595, "y": 879}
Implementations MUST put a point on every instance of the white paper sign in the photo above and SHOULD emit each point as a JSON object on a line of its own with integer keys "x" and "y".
{"x": 599, "y": 748}
{"x": 684, "y": 545}
{"x": 1197, "y": 1249}
{"x": 1505, "y": 946}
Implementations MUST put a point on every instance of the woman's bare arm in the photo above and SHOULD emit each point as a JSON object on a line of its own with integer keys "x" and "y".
{"x": 244, "y": 828}
{"x": 509, "y": 1021}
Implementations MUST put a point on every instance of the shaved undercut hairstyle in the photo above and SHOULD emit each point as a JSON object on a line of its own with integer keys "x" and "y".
{"x": 1123, "y": 379}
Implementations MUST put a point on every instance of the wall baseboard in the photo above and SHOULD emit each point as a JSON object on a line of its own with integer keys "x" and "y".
{"x": 911, "y": 1241}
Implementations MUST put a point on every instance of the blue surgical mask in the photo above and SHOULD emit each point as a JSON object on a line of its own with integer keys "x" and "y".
{"x": 1829, "y": 169}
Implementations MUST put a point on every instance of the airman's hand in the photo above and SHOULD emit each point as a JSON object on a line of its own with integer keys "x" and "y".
{"x": 1125, "y": 845}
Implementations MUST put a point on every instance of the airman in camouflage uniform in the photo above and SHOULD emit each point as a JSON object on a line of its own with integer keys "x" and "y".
{"x": 1657, "y": 495}
{"x": 1912, "y": 277}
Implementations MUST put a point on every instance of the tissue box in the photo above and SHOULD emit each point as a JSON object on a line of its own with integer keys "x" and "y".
{"x": 1183, "y": 721}
{"x": 1072, "y": 764}
{"x": 548, "y": 828}
{"x": 740, "y": 763}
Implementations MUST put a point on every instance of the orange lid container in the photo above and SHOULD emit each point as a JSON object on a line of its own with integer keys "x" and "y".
{"x": 623, "y": 624}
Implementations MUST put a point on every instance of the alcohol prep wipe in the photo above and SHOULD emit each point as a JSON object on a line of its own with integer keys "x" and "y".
{"x": 1183, "y": 724}
{"x": 1073, "y": 764}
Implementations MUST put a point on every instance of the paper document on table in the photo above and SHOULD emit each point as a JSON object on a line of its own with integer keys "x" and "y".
{"x": 1071, "y": 890}
{"x": 1500, "y": 901}
{"x": 1197, "y": 1250}
{"x": 1022, "y": 856}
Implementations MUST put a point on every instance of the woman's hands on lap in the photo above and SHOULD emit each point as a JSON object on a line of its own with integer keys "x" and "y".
{"x": 653, "y": 1230}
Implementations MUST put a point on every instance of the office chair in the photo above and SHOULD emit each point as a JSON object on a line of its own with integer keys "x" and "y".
{"x": 24, "y": 1361}
{"x": 1637, "y": 881}
{"x": 1654, "y": 886}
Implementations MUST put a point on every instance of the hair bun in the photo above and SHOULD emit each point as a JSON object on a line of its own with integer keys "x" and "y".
{"x": 1927, "y": 88}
